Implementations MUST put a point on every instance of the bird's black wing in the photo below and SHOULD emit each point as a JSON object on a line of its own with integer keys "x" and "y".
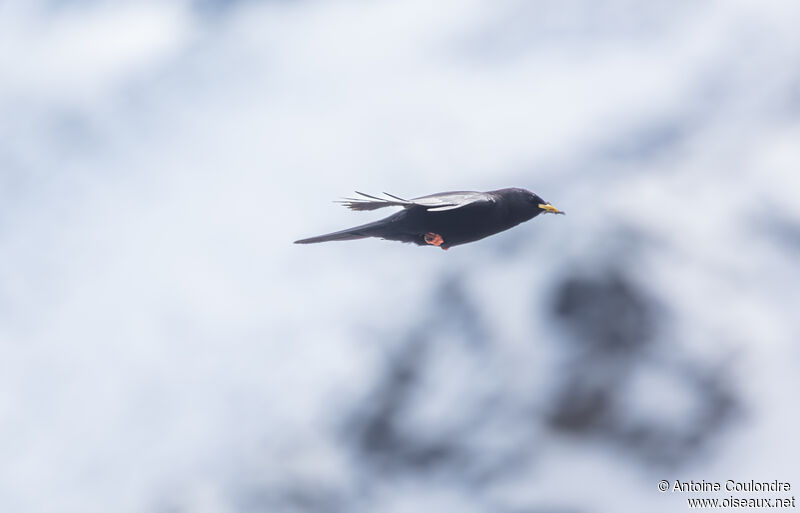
{"x": 433, "y": 203}
{"x": 452, "y": 200}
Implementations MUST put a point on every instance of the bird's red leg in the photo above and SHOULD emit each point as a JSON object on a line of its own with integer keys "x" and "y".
{"x": 434, "y": 239}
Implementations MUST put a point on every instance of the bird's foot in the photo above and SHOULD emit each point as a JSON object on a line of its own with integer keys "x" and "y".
{"x": 434, "y": 239}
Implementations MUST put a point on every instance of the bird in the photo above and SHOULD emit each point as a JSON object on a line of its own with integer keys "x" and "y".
{"x": 444, "y": 219}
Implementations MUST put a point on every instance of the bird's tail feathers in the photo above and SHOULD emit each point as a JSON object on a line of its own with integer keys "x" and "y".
{"x": 358, "y": 232}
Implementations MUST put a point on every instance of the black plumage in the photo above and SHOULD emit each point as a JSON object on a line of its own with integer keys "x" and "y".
{"x": 445, "y": 219}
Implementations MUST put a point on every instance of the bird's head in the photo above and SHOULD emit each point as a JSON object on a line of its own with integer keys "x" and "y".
{"x": 539, "y": 205}
{"x": 523, "y": 205}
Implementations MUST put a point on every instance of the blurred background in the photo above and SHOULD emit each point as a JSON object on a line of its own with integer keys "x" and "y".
{"x": 164, "y": 347}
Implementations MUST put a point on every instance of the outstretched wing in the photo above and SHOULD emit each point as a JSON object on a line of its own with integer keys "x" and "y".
{"x": 433, "y": 203}
{"x": 452, "y": 200}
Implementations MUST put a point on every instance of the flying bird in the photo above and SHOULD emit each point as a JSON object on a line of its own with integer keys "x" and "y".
{"x": 445, "y": 219}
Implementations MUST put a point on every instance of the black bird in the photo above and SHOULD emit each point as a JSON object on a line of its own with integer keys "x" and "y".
{"x": 445, "y": 219}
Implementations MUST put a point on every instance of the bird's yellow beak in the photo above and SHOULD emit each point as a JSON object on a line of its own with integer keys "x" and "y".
{"x": 547, "y": 207}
